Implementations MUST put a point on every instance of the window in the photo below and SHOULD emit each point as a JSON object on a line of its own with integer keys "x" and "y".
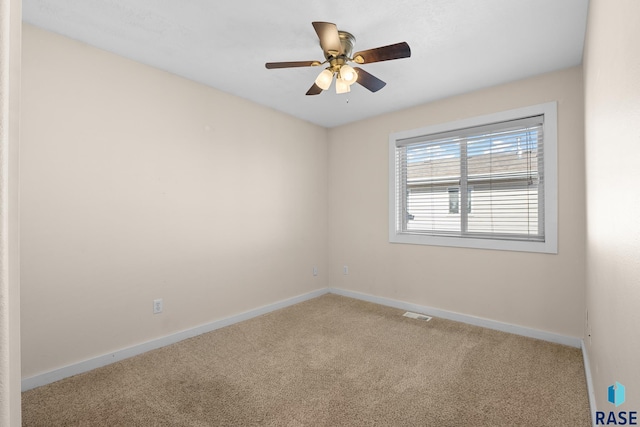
{"x": 486, "y": 182}
{"x": 454, "y": 199}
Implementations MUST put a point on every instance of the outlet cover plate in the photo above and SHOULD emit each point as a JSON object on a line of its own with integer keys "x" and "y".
{"x": 157, "y": 306}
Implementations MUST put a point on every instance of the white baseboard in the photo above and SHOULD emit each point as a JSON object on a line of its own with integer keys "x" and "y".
{"x": 590, "y": 390}
{"x": 463, "y": 318}
{"x": 106, "y": 359}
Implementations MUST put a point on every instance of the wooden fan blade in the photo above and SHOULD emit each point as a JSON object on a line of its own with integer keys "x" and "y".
{"x": 328, "y": 35}
{"x": 384, "y": 53}
{"x": 369, "y": 81}
{"x": 272, "y": 65}
{"x": 314, "y": 90}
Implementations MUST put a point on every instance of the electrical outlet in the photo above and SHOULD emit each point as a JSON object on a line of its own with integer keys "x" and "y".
{"x": 345, "y": 270}
{"x": 157, "y": 306}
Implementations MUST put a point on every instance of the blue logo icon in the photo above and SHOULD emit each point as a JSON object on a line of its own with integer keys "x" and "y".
{"x": 616, "y": 394}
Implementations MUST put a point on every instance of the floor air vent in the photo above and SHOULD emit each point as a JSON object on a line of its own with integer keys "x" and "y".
{"x": 417, "y": 316}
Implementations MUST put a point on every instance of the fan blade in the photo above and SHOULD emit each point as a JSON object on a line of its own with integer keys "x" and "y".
{"x": 369, "y": 81}
{"x": 314, "y": 90}
{"x": 272, "y": 65}
{"x": 384, "y": 53}
{"x": 328, "y": 35}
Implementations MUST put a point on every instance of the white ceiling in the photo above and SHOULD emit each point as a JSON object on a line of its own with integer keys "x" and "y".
{"x": 457, "y": 45}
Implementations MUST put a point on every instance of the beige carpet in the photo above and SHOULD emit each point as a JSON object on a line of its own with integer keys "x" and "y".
{"x": 331, "y": 361}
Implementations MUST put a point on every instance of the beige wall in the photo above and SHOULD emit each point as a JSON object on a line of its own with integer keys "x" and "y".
{"x": 10, "y": 41}
{"x": 612, "y": 116}
{"x": 540, "y": 291}
{"x": 136, "y": 185}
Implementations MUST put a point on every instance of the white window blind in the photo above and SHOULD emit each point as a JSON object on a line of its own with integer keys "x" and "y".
{"x": 484, "y": 182}
{"x": 486, "y": 179}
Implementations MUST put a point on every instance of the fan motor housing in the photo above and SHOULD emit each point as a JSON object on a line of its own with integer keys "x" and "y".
{"x": 347, "y": 40}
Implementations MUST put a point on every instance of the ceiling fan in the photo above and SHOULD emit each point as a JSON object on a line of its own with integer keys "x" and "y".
{"x": 337, "y": 46}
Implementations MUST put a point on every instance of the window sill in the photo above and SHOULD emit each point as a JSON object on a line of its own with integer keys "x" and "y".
{"x": 548, "y": 247}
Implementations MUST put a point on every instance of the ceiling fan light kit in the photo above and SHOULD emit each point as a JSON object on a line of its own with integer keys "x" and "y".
{"x": 342, "y": 86}
{"x": 324, "y": 79}
{"x": 337, "y": 47}
{"x": 348, "y": 74}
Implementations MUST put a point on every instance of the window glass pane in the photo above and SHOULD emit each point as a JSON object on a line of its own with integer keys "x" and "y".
{"x": 503, "y": 154}
{"x": 430, "y": 211}
{"x": 431, "y": 169}
{"x": 503, "y": 167}
{"x": 454, "y": 200}
{"x": 512, "y": 209}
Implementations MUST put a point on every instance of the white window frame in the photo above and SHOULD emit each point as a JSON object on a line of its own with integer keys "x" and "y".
{"x": 550, "y": 132}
